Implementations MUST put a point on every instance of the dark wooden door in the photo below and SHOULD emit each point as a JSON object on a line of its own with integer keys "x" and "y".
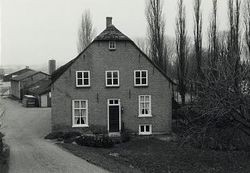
{"x": 114, "y": 118}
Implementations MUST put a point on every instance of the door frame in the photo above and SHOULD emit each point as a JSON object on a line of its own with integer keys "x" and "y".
{"x": 119, "y": 104}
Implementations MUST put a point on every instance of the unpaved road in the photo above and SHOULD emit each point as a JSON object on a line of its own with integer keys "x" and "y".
{"x": 30, "y": 153}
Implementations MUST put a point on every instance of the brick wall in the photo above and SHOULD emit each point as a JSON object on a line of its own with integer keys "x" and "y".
{"x": 126, "y": 58}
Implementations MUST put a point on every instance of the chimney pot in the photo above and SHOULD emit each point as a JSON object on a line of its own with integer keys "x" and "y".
{"x": 108, "y": 21}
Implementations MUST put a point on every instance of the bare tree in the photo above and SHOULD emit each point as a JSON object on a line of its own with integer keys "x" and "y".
{"x": 213, "y": 39}
{"x": 143, "y": 44}
{"x": 181, "y": 49}
{"x": 85, "y": 32}
{"x": 234, "y": 40}
{"x": 156, "y": 32}
{"x": 247, "y": 27}
{"x": 198, "y": 36}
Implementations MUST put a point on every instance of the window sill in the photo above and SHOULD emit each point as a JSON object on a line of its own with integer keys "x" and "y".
{"x": 83, "y": 86}
{"x": 144, "y": 134}
{"x": 80, "y": 126}
{"x": 112, "y": 86}
{"x": 112, "y": 49}
{"x": 145, "y": 116}
{"x": 140, "y": 86}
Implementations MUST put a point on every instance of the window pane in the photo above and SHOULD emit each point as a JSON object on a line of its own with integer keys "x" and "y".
{"x": 77, "y": 120}
{"x": 76, "y": 104}
{"x": 115, "y": 74}
{"x": 137, "y": 80}
{"x": 79, "y": 81}
{"x": 79, "y": 74}
{"x": 146, "y": 98}
{"x": 142, "y": 128}
{"x": 116, "y": 101}
{"x": 109, "y": 81}
{"x": 86, "y": 82}
{"x": 142, "y": 98}
{"x": 83, "y": 113}
{"x": 77, "y": 112}
{"x": 86, "y": 74}
{"x": 137, "y": 74}
{"x": 147, "y": 128}
{"x": 115, "y": 81}
{"x": 146, "y": 111}
{"x": 83, "y": 104}
{"x": 144, "y": 81}
{"x": 144, "y": 74}
{"x": 110, "y": 101}
{"x": 109, "y": 74}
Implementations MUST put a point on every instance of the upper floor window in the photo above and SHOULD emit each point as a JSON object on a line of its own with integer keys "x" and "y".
{"x": 145, "y": 106}
{"x": 80, "y": 113}
{"x": 112, "y": 78}
{"x": 141, "y": 78}
{"x": 112, "y": 45}
{"x": 82, "y": 78}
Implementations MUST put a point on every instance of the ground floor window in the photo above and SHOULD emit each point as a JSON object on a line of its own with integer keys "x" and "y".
{"x": 145, "y": 129}
{"x": 80, "y": 113}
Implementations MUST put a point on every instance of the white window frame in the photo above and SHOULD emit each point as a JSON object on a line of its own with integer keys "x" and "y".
{"x": 83, "y": 85}
{"x": 140, "y": 84}
{"x": 150, "y": 109}
{"x": 112, "y": 78}
{"x": 112, "y": 45}
{"x": 145, "y": 133}
{"x": 80, "y": 108}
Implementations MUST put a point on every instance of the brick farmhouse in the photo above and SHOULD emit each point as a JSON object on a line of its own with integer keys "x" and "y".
{"x": 112, "y": 84}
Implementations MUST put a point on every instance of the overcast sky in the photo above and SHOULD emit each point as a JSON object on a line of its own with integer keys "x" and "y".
{"x": 34, "y": 31}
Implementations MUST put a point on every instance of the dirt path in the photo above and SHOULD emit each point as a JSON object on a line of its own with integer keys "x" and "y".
{"x": 24, "y": 130}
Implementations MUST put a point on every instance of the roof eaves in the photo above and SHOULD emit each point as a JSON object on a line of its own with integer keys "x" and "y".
{"x": 63, "y": 68}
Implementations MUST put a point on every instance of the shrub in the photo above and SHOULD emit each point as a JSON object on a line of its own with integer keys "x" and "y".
{"x": 54, "y": 135}
{"x": 101, "y": 141}
{"x": 70, "y": 135}
{"x": 98, "y": 129}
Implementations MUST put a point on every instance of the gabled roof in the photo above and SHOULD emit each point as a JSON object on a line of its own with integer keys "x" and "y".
{"x": 19, "y": 72}
{"x": 26, "y": 75}
{"x": 40, "y": 87}
{"x": 112, "y": 33}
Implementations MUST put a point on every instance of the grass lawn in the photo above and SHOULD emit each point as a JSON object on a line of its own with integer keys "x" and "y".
{"x": 153, "y": 155}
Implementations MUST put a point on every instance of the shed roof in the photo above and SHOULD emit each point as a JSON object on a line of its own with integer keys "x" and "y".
{"x": 19, "y": 72}
{"x": 26, "y": 75}
{"x": 40, "y": 87}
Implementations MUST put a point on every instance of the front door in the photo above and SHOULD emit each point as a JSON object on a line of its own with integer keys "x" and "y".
{"x": 114, "y": 118}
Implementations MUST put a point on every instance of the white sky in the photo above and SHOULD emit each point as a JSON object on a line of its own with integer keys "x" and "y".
{"x": 34, "y": 31}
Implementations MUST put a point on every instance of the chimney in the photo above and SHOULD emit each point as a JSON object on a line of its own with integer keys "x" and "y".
{"x": 108, "y": 21}
{"x": 52, "y": 66}
{"x": 27, "y": 67}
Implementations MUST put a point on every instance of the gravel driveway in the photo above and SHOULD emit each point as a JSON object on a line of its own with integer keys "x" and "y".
{"x": 24, "y": 130}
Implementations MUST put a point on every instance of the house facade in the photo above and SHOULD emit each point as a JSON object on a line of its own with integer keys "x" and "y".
{"x": 112, "y": 84}
{"x": 18, "y": 83}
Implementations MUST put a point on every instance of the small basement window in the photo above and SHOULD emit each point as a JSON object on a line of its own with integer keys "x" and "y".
{"x": 112, "y": 45}
{"x": 145, "y": 129}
